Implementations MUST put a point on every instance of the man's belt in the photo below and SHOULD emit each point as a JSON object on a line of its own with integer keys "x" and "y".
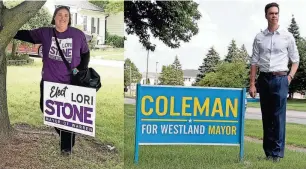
{"x": 281, "y": 73}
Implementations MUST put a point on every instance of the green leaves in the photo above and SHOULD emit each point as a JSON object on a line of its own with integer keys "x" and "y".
{"x": 294, "y": 29}
{"x": 298, "y": 84}
{"x": 131, "y": 73}
{"x": 169, "y": 21}
{"x": 110, "y": 7}
{"x": 230, "y": 72}
{"x": 227, "y": 75}
{"x": 41, "y": 19}
{"x": 172, "y": 74}
{"x": 209, "y": 64}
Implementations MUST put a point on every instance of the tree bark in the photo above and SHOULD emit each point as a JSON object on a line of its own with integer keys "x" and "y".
{"x": 4, "y": 118}
{"x": 14, "y": 48}
{"x": 11, "y": 20}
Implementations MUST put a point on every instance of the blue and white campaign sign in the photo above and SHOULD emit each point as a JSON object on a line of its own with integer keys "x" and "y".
{"x": 172, "y": 115}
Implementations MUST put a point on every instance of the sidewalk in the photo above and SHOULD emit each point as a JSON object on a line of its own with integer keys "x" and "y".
{"x": 290, "y": 113}
{"x": 104, "y": 62}
{"x": 292, "y": 116}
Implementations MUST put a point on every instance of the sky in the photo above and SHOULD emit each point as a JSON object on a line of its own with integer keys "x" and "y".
{"x": 221, "y": 21}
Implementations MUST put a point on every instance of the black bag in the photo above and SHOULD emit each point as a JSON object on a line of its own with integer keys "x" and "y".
{"x": 85, "y": 78}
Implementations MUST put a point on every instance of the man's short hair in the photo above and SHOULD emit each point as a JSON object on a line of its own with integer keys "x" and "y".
{"x": 273, "y": 4}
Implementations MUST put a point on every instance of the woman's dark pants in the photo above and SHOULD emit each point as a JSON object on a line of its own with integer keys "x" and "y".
{"x": 66, "y": 141}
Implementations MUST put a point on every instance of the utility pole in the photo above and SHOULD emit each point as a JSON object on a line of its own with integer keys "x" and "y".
{"x": 130, "y": 79}
{"x": 156, "y": 78}
{"x": 147, "y": 66}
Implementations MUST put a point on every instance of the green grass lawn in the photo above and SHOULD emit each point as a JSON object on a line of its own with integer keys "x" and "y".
{"x": 110, "y": 54}
{"x": 295, "y": 133}
{"x": 293, "y": 104}
{"x": 210, "y": 157}
{"x": 23, "y": 103}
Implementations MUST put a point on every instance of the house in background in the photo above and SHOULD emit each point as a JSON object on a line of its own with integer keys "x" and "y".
{"x": 189, "y": 77}
{"x": 115, "y": 24}
{"x": 153, "y": 78}
{"x": 89, "y": 18}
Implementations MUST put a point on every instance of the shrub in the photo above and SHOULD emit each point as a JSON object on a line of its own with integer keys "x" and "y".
{"x": 93, "y": 42}
{"x": 114, "y": 40}
{"x": 19, "y": 59}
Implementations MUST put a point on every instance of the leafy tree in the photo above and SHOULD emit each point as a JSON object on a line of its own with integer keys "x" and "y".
{"x": 134, "y": 76}
{"x": 233, "y": 52}
{"x": 178, "y": 72}
{"x": 172, "y": 74}
{"x": 226, "y": 75}
{"x": 245, "y": 57}
{"x": 11, "y": 20}
{"x": 41, "y": 19}
{"x": 297, "y": 83}
{"x": 209, "y": 64}
{"x": 170, "y": 21}
{"x": 110, "y": 7}
{"x": 243, "y": 54}
{"x": 294, "y": 29}
{"x": 166, "y": 76}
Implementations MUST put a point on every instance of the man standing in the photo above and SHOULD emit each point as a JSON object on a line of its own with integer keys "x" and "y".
{"x": 272, "y": 49}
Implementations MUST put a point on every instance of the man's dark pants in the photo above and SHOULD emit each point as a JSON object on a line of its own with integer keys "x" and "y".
{"x": 66, "y": 141}
{"x": 273, "y": 90}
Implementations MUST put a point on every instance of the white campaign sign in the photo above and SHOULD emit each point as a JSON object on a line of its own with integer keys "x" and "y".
{"x": 69, "y": 107}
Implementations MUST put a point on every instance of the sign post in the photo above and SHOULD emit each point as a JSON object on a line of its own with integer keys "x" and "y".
{"x": 176, "y": 115}
{"x": 69, "y": 107}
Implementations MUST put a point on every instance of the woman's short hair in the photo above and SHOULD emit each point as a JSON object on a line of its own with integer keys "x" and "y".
{"x": 59, "y": 8}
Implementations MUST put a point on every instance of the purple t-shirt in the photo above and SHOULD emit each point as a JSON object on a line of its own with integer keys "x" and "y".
{"x": 72, "y": 42}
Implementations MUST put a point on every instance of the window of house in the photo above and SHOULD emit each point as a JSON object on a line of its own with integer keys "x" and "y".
{"x": 93, "y": 30}
{"x": 98, "y": 26}
{"x": 85, "y": 23}
{"x": 72, "y": 20}
{"x": 75, "y": 19}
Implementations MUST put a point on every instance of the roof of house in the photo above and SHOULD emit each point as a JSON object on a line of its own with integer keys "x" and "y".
{"x": 150, "y": 75}
{"x": 80, "y": 4}
{"x": 188, "y": 73}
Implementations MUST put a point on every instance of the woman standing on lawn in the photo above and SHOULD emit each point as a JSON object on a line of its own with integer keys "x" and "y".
{"x": 75, "y": 49}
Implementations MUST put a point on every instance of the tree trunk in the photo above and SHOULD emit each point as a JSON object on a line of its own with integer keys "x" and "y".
{"x": 4, "y": 118}
{"x": 14, "y": 48}
{"x": 290, "y": 95}
{"x": 8, "y": 28}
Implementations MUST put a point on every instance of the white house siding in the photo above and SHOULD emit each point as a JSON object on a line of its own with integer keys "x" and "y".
{"x": 95, "y": 15}
{"x": 152, "y": 81}
{"x": 115, "y": 24}
{"x": 188, "y": 81}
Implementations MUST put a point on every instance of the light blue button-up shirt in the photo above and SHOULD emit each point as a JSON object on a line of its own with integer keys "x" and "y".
{"x": 272, "y": 51}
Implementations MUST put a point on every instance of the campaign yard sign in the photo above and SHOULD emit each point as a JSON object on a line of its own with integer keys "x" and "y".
{"x": 172, "y": 115}
{"x": 70, "y": 107}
